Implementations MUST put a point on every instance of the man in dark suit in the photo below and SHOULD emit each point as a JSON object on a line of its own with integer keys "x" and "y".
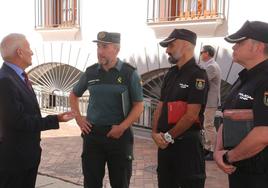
{"x": 20, "y": 118}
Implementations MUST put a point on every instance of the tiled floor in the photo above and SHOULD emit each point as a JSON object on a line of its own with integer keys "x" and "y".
{"x": 61, "y": 159}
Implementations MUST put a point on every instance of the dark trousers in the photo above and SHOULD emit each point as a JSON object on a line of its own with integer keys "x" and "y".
{"x": 182, "y": 165}
{"x": 240, "y": 179}
{"x": 99, "y": 150}
{"x": 22, "y": 179}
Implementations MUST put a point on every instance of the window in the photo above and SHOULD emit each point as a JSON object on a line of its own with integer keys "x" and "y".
{"x": 175, "y": 10}
{"x": 56, "y": 14}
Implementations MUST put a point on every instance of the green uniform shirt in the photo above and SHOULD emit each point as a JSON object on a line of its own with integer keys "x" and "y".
{"x": 105, "y": 88}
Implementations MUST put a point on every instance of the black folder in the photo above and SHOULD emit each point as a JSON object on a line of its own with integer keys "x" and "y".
{"x": 126, "y": 104}
{"x": 234, "y": 131}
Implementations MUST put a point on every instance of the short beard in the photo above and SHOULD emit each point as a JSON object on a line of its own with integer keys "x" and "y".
{"x": 106, "y": 62}
{"x": 172, "y": 60}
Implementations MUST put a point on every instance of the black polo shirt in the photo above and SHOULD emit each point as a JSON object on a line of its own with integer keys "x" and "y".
{"x": 250, "y": 91}
{"x": 189, "y": 84}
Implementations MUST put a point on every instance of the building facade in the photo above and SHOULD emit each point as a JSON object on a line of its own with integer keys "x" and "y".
{"x": 61, "y": 34}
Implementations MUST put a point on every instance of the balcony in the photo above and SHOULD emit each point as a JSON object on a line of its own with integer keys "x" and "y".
{"x": 58, "y": 20}
{"x": 200, "y": 16}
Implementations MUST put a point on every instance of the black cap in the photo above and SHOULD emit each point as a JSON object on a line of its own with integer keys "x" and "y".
{"x": 107, "y": 37}
{"x": 254, "y": 30}
{"x": 182, "y": 34}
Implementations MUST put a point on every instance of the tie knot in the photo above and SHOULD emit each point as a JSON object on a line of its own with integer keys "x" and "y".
{"x": 24, "y": 74}
{"x": 27, "y": 81}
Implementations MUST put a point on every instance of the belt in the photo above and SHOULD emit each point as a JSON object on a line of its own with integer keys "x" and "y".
{"x": 101, "y": 130}
{"x": 188, "y": 134}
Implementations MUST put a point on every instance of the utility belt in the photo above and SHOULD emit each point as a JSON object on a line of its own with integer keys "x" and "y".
{"x": 189, "y": 134}
{"x": 102, "y": 130}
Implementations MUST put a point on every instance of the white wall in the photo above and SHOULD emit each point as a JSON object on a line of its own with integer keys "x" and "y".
{"x": 137, "y": 38}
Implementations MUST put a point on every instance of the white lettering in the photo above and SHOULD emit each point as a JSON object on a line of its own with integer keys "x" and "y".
{"x": 245, "y": 97}
{"x": 183, "y": 85}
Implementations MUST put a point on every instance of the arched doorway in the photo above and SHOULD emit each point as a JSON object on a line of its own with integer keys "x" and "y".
{"x": 52, "y": 83}
{"x": 54, "y": 77}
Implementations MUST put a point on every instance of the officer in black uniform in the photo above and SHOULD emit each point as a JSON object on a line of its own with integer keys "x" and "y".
{"x": 180, "y": 155}
{"x": 115, "y": 102}
{"x": 247, "y": 163}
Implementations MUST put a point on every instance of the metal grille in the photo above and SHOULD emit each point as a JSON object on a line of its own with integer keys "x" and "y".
{"x": 176, "y": 10}
{"x": 57, "y": 14}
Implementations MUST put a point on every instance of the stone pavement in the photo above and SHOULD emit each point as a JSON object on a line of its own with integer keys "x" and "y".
{"x": 44, "y": 181}
{"x": 61, "y": 161}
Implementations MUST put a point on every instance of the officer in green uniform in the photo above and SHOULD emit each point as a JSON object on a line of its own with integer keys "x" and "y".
{"x": 115, "y": 102}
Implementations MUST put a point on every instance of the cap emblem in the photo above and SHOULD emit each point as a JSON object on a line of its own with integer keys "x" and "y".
{"x": 101, "y": 35}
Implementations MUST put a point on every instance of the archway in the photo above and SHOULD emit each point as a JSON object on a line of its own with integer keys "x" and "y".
{"x": 52, "y": 76}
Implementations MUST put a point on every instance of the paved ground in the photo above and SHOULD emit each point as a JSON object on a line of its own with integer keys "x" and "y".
{"x": 61, "y": 164}
{"x": 44, "y": 181}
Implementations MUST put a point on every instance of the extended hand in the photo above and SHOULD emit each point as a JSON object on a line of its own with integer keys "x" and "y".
{"x": 159, "y": 140}
{"x": 66, "y": 116}
{"x": 84, "y": 125}
{"x": 228, "y": 169}
{"x": 115, "y": 132}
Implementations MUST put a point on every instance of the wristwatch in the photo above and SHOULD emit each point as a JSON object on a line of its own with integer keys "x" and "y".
{"x": 225, "y": 158}
{"x": 168, "y": 138}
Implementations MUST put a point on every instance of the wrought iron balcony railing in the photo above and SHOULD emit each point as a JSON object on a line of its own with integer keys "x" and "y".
{"x": 51, "y": 14}
{"x": 178, "y": 10}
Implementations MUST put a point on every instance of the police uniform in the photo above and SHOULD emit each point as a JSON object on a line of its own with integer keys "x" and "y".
{"x": 182, "y": 164}
{"x": 250, "y": 91}
{"x": 104, "y": 110}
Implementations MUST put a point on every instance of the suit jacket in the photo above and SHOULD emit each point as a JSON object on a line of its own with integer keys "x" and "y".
{"x": 214, "y": 79}
{"x": 20, "y": 123}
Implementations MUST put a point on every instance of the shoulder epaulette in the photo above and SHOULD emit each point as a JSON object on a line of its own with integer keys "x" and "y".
{"x": 129, "y": 65}
{"x": 92, "y": 67}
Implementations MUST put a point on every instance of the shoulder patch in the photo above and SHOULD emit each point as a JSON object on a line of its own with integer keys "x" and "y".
{"x": 265, "y": 98}
{"x": 200, "y": 84}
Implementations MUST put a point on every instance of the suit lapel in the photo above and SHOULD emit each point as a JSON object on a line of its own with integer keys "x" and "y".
{"x": 19, "y": 82}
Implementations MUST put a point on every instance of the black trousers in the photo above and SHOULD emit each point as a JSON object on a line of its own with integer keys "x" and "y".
{"x": 21, "y": 179}
{"x": 98, "y": 150}
{"x": 182, "y": 165}
{"x": 241, "y": 179}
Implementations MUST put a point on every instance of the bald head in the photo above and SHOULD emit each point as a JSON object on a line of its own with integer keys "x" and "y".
{"x": 10, "y": 44}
